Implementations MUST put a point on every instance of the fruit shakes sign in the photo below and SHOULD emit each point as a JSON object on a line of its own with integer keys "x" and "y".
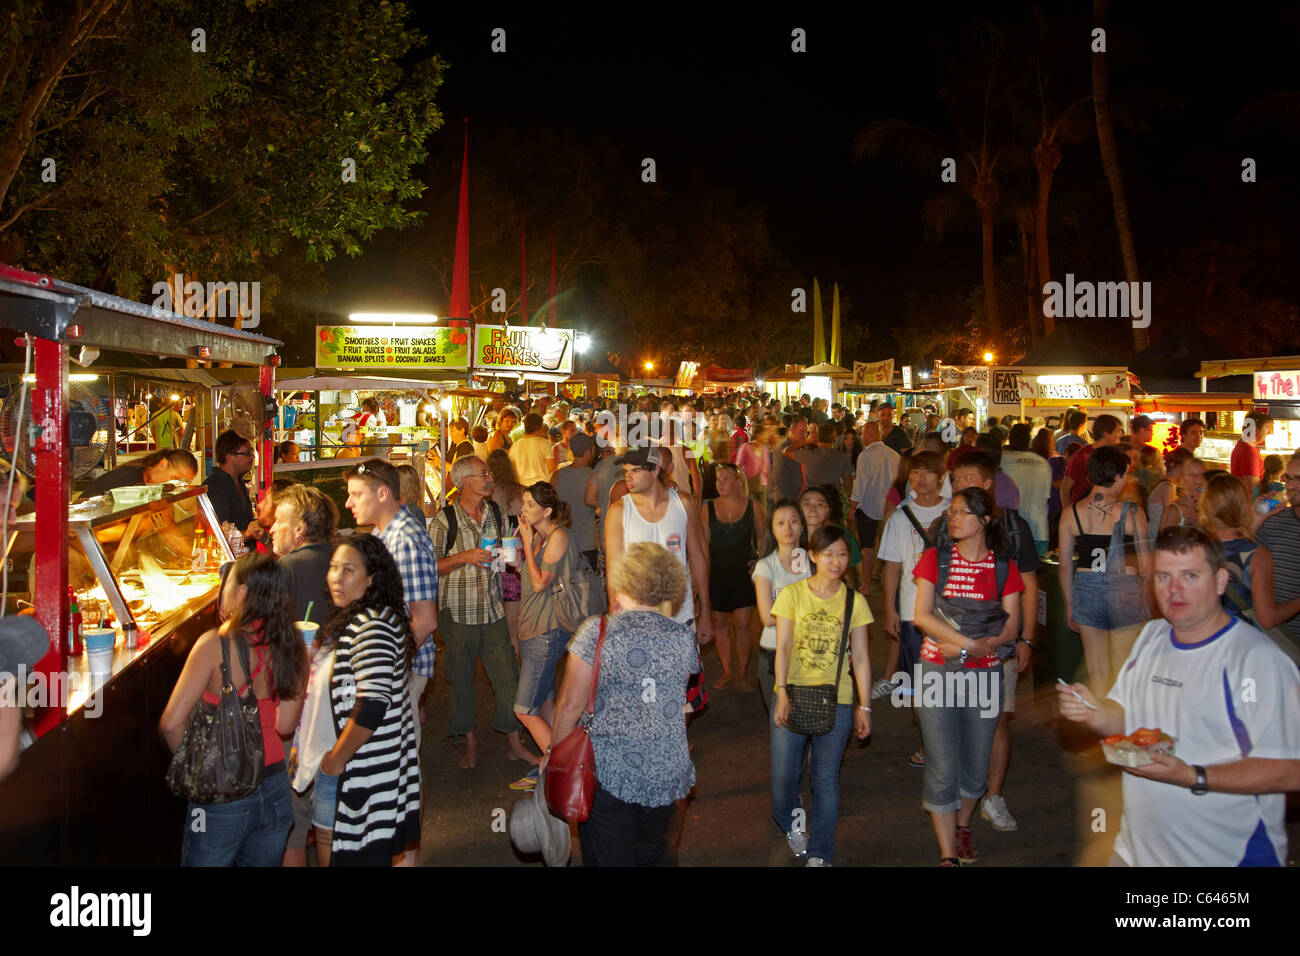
{"x": 390, "y": 347}
{"x": 523, "y": 349}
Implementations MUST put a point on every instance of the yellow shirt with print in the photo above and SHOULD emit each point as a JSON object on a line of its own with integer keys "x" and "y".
{"x": 818, "y": 628}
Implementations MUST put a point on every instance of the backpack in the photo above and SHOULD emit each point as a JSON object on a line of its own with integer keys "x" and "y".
{"x": 579, "y": 591}
{"x": 1011, "y": 523}
{"x": 452, "y": 524}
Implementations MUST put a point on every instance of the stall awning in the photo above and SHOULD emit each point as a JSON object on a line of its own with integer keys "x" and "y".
{"x": 351, "y": 383}
{"x": 1247, "y": 366}
{"x": 1194, "y": 402}
{"x": 46, "y": 307}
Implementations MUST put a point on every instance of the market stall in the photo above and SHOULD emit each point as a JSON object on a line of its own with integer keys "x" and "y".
{"x": 782, "y": 383}
{"x": 1274, "y": 384}
{"x": 592, "y": 385}
{"x": 1170, "y": 408}
{"x": 90, "y": 787}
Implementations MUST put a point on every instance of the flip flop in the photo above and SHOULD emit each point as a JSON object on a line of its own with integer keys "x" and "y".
{"x": 916, "y": 760}
{"x": 721, "y": 683}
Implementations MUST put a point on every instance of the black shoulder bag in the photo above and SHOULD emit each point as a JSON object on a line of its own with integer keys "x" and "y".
{"x": 812, "y": 708}
{"x": 221, "y": 756}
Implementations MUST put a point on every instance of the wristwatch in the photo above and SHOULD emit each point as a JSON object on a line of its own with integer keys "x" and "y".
{"x": 1202, "y": 785}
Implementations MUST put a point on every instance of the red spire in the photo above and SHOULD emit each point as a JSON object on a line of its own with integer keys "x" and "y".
{"x": 523, "y": 276}
{"x": 460, "y": 268}
{"x": 551, "y": 320}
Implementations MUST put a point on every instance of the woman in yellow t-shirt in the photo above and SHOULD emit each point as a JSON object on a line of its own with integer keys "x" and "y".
{"x": 809, "y": 644}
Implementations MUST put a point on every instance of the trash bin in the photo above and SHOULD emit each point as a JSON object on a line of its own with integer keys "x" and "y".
{"x": 1064, "y": 656}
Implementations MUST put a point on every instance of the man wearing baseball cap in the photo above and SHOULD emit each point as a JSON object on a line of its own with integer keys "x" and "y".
{"x": 23, "y": 642}
{"x": 651, "y": 511}
{"x": 1143, "y": 428}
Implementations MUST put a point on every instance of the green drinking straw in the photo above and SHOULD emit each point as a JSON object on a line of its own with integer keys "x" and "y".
{"x": 307, "y": 614}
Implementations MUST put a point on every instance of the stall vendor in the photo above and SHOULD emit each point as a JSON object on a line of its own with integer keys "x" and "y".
{"x": 226, "y": 488}
{"x": 168, "y": 464}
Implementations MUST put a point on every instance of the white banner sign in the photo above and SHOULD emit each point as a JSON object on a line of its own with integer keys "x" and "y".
{"x": 874, "y": 373}
{"x": 1074, "y": 388}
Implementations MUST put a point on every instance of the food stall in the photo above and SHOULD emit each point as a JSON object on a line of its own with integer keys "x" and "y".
{"x": 782, "y": 383}
{"x": 1274, "y": 384}
{"x": 868, "y": 382}
{"x": 89, "y": 787}
{"x": 592, "y": 385}
{"x": 824, "y": 380}
{"x": 1170, "y": 408}
{"x": 538, "y": 358}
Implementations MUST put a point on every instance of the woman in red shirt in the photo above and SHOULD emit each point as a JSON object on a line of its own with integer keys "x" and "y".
{"x": 967, "y": 610}
{"x": 253, "y": 830}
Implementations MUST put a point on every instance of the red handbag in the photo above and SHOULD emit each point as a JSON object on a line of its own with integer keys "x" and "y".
{"x": 571, "y": 770}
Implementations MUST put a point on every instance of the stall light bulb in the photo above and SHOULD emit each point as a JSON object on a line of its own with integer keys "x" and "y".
{"x": 446, "y": 404}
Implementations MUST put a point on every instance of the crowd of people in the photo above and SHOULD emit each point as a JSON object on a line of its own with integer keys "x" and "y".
{"x": 739, "y": 504}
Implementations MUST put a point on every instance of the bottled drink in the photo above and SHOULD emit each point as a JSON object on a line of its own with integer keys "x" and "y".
{"x": 75, "y": 648}
{"x": 199, "y": 556}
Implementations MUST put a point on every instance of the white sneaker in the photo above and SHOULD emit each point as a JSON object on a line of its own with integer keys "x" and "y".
{"x": 881, "y": 688}
{"x": 798, "y": 841}
{"x": 816, "y": 861}
{"x": 994, "y": 810}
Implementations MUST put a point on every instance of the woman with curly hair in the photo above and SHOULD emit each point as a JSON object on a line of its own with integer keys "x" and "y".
{"x": 255, "y": 603}
{"x": 367, "y": 803}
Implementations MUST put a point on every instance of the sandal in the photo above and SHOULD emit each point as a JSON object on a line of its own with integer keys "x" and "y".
{"x": 721, "y": 683}
{"x": 527, "y": 782}
{"x": 917, "y": 759}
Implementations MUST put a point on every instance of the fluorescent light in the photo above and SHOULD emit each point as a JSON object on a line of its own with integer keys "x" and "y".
{"x": 74, "y": 377}
{"x": 394, "y": 318}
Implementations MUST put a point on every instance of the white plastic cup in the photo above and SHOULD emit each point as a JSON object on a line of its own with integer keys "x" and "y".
{"x": 99, "y": 643}
{"x": 510, "y": 550}
{"x": 307, "y": 630}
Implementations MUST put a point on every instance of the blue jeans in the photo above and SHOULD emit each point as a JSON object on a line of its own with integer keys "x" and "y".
{"x": 250, "y": 831}
{"x": 787, "y": 768}
{"x": 958, "y": 739}
{"x": 538, "y": 658}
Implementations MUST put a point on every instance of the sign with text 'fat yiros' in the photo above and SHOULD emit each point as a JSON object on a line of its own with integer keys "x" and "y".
{"x": 389, "y": 347}
{"x": 523, "y": 349}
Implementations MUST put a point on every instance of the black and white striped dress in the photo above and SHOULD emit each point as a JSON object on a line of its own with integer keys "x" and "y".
{"x": 378, "y": 815}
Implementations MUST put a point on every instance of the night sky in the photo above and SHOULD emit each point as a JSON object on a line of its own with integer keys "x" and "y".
{"x": 728, "y": 96}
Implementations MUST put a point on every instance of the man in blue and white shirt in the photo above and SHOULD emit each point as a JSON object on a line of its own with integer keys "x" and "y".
{"x": 374, "y": 498}
{"x": 1230, "y": 699}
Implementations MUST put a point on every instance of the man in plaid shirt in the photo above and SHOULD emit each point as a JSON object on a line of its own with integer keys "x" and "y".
{"x": 374, "y": 498}
{"x": 471, "y": 612}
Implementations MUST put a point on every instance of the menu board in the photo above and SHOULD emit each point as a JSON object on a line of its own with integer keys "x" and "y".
{"x": 390, "y": 347}
{"x": 523, "y": 349}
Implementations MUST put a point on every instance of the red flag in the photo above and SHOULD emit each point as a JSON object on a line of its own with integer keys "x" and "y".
{"x": 551, "y": 322}
{"x": 460, "y": 265}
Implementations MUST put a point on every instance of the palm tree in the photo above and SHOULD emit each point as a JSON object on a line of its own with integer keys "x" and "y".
{"x": 973, "y": 100}
{"x": 1110, "y": 159}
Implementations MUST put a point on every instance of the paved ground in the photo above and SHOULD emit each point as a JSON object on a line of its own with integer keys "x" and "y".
{"x": 1067, "y": 804}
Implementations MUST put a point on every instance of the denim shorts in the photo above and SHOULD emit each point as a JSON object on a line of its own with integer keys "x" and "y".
{"x": 326, "y": 800}
{"x": 538, "y": 658}
{"x": 1096, "y": 604}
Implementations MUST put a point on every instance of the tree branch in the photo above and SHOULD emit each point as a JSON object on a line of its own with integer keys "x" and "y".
{"x": 34, "y": 204}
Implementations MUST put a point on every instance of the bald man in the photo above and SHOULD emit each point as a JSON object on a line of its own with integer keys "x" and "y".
{"x": 877, "y": 469}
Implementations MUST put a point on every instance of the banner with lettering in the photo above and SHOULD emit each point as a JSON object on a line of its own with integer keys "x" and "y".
{"x": 523, "y": 349}
{"x": 391, "y": 346}
{"x": 874, "y": 373}
{"x": 1104, "y": 387}
{"x": 1277, "y": 385}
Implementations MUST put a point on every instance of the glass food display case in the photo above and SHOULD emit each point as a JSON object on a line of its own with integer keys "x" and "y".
{"x": 154, "y": 564}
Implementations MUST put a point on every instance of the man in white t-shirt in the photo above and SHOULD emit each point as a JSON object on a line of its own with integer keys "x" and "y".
{"x": 1033, "y": 476}
{"x": 1228, "y": 697}
{"x": 901, "y": 546}
{"x": 877, "y": 469}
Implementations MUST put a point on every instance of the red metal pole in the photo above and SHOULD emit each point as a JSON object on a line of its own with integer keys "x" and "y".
{"x": 50, "y": 580}
{"x": 266, "y": 382}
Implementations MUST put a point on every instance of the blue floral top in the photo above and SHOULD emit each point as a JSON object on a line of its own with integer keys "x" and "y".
{"x": 639, "y": 731}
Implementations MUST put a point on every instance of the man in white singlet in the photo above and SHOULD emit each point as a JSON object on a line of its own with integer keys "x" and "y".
{"x": 666, "y": 516}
